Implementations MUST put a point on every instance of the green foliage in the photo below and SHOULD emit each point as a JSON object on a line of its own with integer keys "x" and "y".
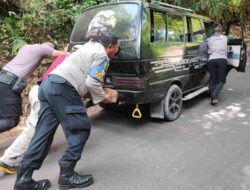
{"x": 36, "y": 21}
{"x": 220, "y": 10}
{"x": 33, "y": 21}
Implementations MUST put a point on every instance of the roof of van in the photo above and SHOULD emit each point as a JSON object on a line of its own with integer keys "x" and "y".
{"x": 155, "y": 4}
{"x": 185, "y": 11}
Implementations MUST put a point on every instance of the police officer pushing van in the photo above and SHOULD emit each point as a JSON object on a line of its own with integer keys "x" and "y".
{"x": 13, "y": 78}
{"x": 60, "y": 102}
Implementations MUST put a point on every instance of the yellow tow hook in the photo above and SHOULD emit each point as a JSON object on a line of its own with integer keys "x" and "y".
{"x": 137, "y": 112}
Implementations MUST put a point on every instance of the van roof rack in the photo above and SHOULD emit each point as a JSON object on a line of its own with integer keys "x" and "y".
{"x": 171, "y": 6}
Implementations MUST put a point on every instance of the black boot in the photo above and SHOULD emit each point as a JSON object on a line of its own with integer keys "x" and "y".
{"x": 24, "y": 180}
{"x": 70, "y": 179}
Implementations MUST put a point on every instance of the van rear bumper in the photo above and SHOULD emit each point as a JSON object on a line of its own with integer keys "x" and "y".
{"x": 132, "y": 97}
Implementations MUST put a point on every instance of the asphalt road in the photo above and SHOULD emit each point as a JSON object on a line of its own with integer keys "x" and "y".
{"x": 207, "y": 148}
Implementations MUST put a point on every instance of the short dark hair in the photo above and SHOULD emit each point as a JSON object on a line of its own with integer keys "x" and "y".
{"x": 216, "y": 27}
{"x": 104, "y": 37}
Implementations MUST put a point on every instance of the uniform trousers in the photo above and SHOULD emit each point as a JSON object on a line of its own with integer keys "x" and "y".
{"x": 14, "y": 154}
{"x": 59, "y": 103}
{"x": 10, "y": 107}
{"x": 218, "y": 72}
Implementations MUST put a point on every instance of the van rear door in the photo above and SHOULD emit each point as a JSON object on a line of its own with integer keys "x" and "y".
{"x": 237, "y": 49}
{"x": 119, "y": 18}
{"x": 122, "y": 19}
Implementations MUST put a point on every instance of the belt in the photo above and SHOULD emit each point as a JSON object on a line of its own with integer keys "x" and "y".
{"x": 7, "y": 77}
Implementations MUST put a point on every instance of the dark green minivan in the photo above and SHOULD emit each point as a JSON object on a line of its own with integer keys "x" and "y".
{"x": 158, "y": 62}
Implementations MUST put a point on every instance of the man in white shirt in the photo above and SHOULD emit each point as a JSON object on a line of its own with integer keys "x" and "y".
{"x": 217, "y": 62}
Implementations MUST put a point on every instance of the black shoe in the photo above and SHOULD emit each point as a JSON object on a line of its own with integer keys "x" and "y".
{"x": 33, "y": 185}
{"x": 7, "y": 169}
{"x": 75, "y": 181}
{"x": 24, "y": 180}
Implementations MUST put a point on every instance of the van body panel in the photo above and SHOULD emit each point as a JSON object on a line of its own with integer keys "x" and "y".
{"x": 146, "y": 67}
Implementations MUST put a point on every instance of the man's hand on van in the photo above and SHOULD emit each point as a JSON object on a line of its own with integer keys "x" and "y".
{"x": 110, "y": 96}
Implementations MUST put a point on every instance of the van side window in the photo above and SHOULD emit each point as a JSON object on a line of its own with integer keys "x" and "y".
{"x": 175, "y": 28}
{"x": 158, "y": 27}
{"x": 208, "y": 28}
{"x": 197, "y": 30}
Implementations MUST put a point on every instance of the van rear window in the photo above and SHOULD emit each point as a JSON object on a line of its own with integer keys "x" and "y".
{"x": 121, "y": 19}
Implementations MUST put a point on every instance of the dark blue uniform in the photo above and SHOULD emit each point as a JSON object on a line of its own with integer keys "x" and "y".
{"x": 60, "y": 103}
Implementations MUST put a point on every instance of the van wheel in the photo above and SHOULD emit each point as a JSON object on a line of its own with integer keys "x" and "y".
{"x": 173, "y": 103}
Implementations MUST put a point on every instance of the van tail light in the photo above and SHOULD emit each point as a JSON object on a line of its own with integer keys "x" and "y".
{"x": 134, "y": 83}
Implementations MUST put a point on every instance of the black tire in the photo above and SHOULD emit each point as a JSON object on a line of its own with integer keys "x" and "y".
{"x": 173, "y": 103}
